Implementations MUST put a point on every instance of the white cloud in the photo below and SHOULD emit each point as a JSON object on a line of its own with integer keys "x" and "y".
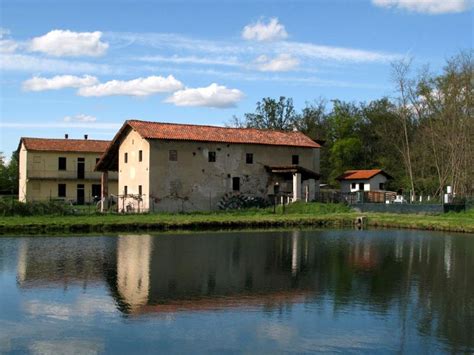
{"x": 28, "y": 63}
{"x": 58, "y": 82}
{"x": 433, "y": 7}
{"x": 137, "y": 87}
{"x": 313, "y": 51}
{"x": 261, "y": 31}
{"x": 80, "y": 118}
{"x": 243, "y": 50}
{"x": 283, "y": 62}
{"x": 214, "y": 95}
{"x": 67, "y": 43}
{"x": 226, "y": 61}
{"x": 6, "y": 45}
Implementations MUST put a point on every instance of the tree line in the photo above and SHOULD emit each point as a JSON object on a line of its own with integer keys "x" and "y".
{"x": 423, "y": 136}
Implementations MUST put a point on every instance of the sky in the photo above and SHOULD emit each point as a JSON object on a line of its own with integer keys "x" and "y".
{"x": 84, "y": 67}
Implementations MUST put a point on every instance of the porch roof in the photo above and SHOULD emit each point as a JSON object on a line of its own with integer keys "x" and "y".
{"x": 292, "y": 169}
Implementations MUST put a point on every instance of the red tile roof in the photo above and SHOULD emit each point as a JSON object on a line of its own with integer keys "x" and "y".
{"x": 187, "y": 132}
{"x": 65, "y": 145}
{"x": 361, "y": 174}
{"x": 199, "y": 133}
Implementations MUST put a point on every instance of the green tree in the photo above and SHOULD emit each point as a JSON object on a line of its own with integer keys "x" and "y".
{"x": 344, "y": 144}
{"x": 9, "y": 175}
{"x": 270, "y": 114}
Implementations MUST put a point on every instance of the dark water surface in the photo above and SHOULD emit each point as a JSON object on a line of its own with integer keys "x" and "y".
{"x": 258, "y": 292}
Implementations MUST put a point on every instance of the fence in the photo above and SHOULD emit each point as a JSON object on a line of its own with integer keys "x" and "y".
{"x": 332, "y": 196}
{"x": 376, "y": 201}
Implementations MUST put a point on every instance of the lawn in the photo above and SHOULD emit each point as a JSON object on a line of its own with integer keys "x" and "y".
{"x": 295, "y": 215}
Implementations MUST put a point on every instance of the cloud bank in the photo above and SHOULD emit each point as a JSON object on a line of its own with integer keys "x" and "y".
{"x": 283, "y": 62}
{"x": 136, "y": 87}
{"x": 432, "y": 7}
{"x": 261, "y": 31}
{"x": 58, "y": 82}
{"x": 214, "y": 95}
{"x": 66, "y": 43}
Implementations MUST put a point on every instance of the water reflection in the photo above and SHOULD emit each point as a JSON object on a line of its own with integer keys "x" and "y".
{"x": 422, "y": 280}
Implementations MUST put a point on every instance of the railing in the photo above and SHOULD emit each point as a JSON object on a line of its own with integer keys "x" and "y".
{"x": 66, "y": 175}
{"x": 331, "y": 196}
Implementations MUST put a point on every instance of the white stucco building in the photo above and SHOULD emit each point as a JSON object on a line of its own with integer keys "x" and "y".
{"x": 182, "y": 167}
{"x": 363, "y": 180}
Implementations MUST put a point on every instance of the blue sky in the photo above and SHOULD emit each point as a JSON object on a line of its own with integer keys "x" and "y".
{"x": 85, "y": 66}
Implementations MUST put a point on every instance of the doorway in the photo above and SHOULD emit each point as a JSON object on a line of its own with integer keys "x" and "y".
{"x": 80, "y": 194}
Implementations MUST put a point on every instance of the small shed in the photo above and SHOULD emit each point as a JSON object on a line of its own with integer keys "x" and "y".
{"x": 363, "y": 180}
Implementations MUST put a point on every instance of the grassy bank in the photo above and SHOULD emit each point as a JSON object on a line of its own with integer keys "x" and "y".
{"x": 296, "y": 215}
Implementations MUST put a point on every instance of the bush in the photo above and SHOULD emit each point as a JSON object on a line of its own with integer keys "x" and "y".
{"x": 11, "y": 207}
{"x": 232, "y": 201}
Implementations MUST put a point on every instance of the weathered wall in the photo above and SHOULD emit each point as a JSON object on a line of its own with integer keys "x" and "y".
{"x": 134, "y": 173}
{"x": 40, "y": 176}
{"x": 22, "y": 166}
{"x": 194, "y": 183}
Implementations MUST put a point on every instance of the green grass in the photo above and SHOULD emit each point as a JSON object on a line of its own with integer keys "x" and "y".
{"x": 295, "y": 215}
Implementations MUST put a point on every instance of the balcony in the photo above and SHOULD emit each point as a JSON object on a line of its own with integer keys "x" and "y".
{"x": 66, "y": 175}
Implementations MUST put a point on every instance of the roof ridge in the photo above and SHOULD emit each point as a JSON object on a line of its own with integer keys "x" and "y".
{"x": 68, "y": 139}
{"x": 213, "y": 126}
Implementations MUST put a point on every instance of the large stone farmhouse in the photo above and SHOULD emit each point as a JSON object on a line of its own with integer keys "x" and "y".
{"x": 181, "y": 167}
{"x": 61, "y": 169}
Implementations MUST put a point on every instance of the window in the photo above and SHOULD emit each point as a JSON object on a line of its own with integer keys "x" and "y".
{"x": 361, "y": 187}
{"x": 125, "y": 158}
{"x": 61, "y": 163}
{"x": 61, "y": 190}
{"x": 140, "y": 189}
{"x": 36, "y": 159}
{"x": 236, "y": 184}
{"x": 381, "y": 186}
{"x": 249, "y": 158}
{"x": 295, "y": 159}
{"x": 211, "y": 157}
{"x": 353, "y": 185}
{"x": 140, "y": 155}
{"x": 96, "y": 160}
{"x": 173, "y": 155}
{"x": 125, "y": 190}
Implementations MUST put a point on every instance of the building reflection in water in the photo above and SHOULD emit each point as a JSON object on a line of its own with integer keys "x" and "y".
{"x": 416, "y": 276}
{"x": 189, "y": 272}
{"x": 53, "y": 262}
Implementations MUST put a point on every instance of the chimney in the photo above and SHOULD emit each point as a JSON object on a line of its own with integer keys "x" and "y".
{"x": 66, "y": 136}
{"x": 86, "y": 136}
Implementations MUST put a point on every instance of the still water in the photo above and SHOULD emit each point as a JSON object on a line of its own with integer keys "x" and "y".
{"x": 227, "y": 292}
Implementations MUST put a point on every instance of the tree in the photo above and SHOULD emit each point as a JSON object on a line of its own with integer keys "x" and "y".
{"x": 403, "y": 136}
{"x": 9, "y": 175}
{"x": 270, "y": 114}
{"x": 344, "y": 143}
{"x": 447, "y": 124}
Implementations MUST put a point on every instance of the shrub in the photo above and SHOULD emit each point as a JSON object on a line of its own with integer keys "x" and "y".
{"x": 232, "y": 201}
{"x": 10, "y": 207}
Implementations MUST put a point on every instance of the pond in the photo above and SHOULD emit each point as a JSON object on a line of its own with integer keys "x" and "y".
{"x": 226, "y": 292}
